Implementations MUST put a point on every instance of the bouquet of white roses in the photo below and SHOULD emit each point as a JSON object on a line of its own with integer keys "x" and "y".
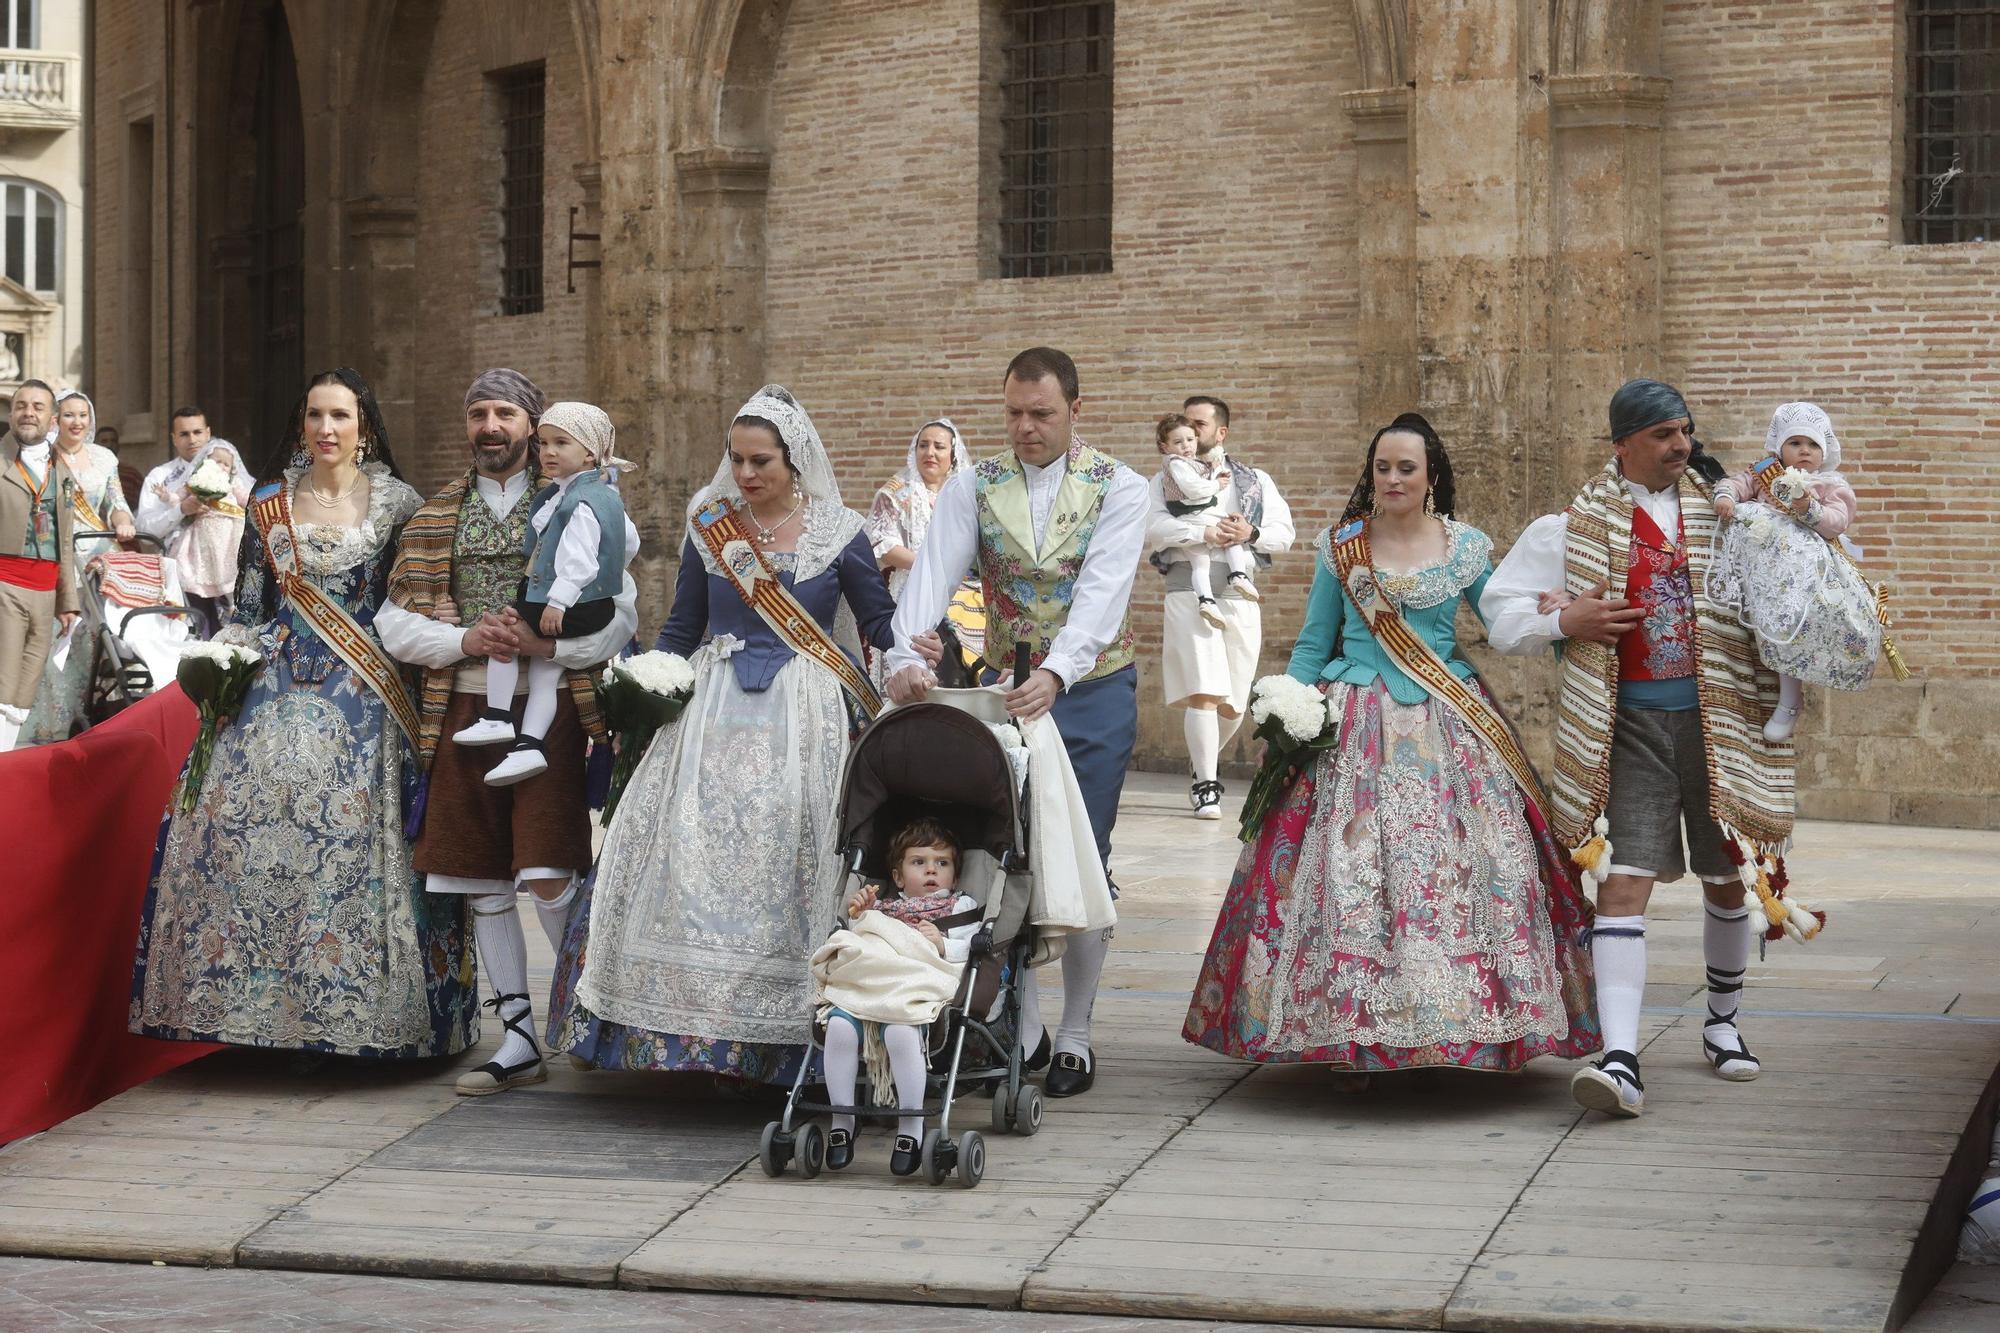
{"x": 1292, "y": 719}
{"x": 217, "y": 677}
{"x": 639, "y": 695}
{"x": 211, "y": 482}
{"x": 1789, "y": 486}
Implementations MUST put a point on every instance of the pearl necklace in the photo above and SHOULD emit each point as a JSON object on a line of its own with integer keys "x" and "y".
{"x": 328, "y": 502}
{"x": 765, "y": 536}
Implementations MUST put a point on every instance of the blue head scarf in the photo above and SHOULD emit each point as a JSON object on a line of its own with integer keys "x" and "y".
{"x": 1640, "y": 403}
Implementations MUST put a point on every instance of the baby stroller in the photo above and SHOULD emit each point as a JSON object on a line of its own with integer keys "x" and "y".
{"x": 133, "y": 622}
{"x": 893, "y": 776}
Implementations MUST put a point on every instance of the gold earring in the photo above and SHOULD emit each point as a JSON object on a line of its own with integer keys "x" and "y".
{"x": 1430, "y": 503}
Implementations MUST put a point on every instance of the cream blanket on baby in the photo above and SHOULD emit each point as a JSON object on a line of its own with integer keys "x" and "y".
{"x": 882, "y": 971}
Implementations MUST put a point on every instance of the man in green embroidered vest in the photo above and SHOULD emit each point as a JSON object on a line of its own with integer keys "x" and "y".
{"x": 458, "y": 568}
{"x": 1054, "y": 528}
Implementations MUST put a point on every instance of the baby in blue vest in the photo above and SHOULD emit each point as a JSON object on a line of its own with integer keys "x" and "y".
{"x": 578, "y": 544}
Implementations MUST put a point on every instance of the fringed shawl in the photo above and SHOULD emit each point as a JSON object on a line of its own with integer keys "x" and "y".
{"x": 1750, "y": 781}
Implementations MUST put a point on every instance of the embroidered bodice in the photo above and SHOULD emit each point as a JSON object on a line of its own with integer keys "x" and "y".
{"x": 1335, "y": 643}
{"x": 351, "y": 564}
{"x": 708, "y": 607}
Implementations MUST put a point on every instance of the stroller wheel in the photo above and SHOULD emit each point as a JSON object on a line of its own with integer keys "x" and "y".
{"x": 971, "y": 1158}
{"x": 1003, "y": 1110}
{"x": 1028, "y": 1108}
{"x": 812, "y": 1150}
{"x": 936, "y": 1158}
{"x": 774, "y": 1149}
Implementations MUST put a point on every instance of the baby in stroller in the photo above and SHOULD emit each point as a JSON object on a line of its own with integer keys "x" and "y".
{"x": 923, "y": 868}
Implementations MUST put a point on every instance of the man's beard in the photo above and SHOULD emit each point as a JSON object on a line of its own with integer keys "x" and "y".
{"x": 495, "y": 464}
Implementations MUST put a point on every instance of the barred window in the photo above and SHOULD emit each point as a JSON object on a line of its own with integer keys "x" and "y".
{"x": 1953, "y": 147}
{"x": 523, "y": 97}
{"x": 1055, "y": 138}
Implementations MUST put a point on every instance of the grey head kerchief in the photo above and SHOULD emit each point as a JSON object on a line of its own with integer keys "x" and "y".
{"x": 508, "y": 386}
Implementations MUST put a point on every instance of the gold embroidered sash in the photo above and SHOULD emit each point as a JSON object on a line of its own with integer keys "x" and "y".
{"x": 721, "y": 529}
{"x": 271, "y": 510}
{"x": 1421, "y": 662}
{"x": 1765, "y": 474}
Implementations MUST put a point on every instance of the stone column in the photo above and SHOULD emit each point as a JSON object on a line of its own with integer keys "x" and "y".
{"x": 1607, "y": 266}
{"x": 1385, "y": 332}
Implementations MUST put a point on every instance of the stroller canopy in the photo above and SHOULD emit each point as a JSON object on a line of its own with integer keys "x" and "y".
{"x": 927, "y": 759}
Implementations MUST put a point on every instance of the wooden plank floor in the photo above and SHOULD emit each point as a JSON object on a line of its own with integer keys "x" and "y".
{"x": 1183, "y": 1184}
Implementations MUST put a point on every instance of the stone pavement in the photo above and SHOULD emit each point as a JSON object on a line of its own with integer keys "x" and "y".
{"x": 1183, "y": 1185}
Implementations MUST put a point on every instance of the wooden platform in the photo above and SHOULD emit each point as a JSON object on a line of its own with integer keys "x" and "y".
{"x": 1184, "y": 1184}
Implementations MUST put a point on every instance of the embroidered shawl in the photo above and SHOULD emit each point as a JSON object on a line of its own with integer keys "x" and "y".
{"x": 1750, "y": 781}
{"x": 421, "y": 579}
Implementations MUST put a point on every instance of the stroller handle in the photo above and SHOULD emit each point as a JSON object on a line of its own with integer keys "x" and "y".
{"x": 142, "y": 539}
{"x": 1021, "y": 667}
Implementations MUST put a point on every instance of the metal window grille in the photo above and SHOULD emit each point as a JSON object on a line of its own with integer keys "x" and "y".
{"x": 1953, "y": 151}
{"x": 1055, "y": 139}
{"x": 523, "y": 98}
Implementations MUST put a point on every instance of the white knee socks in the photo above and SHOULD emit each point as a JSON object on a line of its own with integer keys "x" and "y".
{"x": 503, "y": 953}
{"x": 553, "y": 913}
{"x": 906, "y": 1063}
{"x": 501, "y": 677}
{"x": 1082, "y": 965}
{"x": 1725, "y": 948}
{"x": 544, "y": 678}
{"x": 1198, "y": 566}
{"x": 1225, "y": 730}
{"x": 1204, "y": 741}
{"x": 843, "y": 1067}
{"x": 1031, "y": 1033}
{"x": 1618, "y": 952}
{"x": 1790, "y": 693}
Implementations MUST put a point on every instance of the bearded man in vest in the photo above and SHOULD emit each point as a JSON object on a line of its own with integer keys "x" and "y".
{"x": 1055, "y": 530}
{"x": 459, "y": 566}
{"x": 1660, "y": 723}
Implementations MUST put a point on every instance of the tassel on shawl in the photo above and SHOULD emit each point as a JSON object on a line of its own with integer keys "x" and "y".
{"x": 1773, "y": 913}
{"x": 1593, "y": 858}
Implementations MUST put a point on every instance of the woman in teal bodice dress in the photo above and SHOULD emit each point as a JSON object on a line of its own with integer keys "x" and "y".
{"x": 1402, "y": 904}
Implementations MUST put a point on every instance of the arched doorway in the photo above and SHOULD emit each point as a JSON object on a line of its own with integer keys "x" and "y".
{"x": 277, "y": 251}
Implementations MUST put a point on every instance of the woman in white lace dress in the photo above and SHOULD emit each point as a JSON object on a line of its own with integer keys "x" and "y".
{"x": 901, "y": 519}
{"x": 284, "y": 912}
{"x": 719, "y": 874}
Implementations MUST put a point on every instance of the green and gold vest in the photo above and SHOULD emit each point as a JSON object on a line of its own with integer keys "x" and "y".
{"x": 1029, "y": 591}
{"x": 487, "y": 558}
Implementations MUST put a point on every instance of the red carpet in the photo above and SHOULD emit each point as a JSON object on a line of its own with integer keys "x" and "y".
{"x": 78, "y": 821}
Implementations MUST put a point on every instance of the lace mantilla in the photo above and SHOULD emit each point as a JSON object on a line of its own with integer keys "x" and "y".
{"x": 1467, "y": 554}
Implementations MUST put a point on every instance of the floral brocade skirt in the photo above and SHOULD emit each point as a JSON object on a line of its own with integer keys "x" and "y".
{"x": 1401, "y": 907}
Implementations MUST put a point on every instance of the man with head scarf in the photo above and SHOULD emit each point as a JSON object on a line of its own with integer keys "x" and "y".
{"x": 1055, "y": 529}
{"x": 458, "y": 569}
{"x": 1660, "y": 723}
{"x": 37, "y": 584}
{"x": 1208, "y": 668}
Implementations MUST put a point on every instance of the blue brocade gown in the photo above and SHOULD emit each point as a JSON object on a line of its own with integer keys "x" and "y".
{"x": 283, "y": 910}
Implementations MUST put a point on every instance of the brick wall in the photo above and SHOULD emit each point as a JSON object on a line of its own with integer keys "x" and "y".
{"x": 458, "y": 238}
{"x": 1786, "y": 278}
{"x": 1234, "y": 265}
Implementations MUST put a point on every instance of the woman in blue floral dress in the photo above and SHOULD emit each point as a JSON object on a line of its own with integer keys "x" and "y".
{"x": 283, "y": 911}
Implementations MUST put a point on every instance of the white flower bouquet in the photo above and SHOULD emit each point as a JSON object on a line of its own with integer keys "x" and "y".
{"x": 212, "y": 482}
{"x": 640, "y": 695}
{"x": 217, "y": 678}
{"x": 1790, "y": 486}
{"x": 1292, "y": 719}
